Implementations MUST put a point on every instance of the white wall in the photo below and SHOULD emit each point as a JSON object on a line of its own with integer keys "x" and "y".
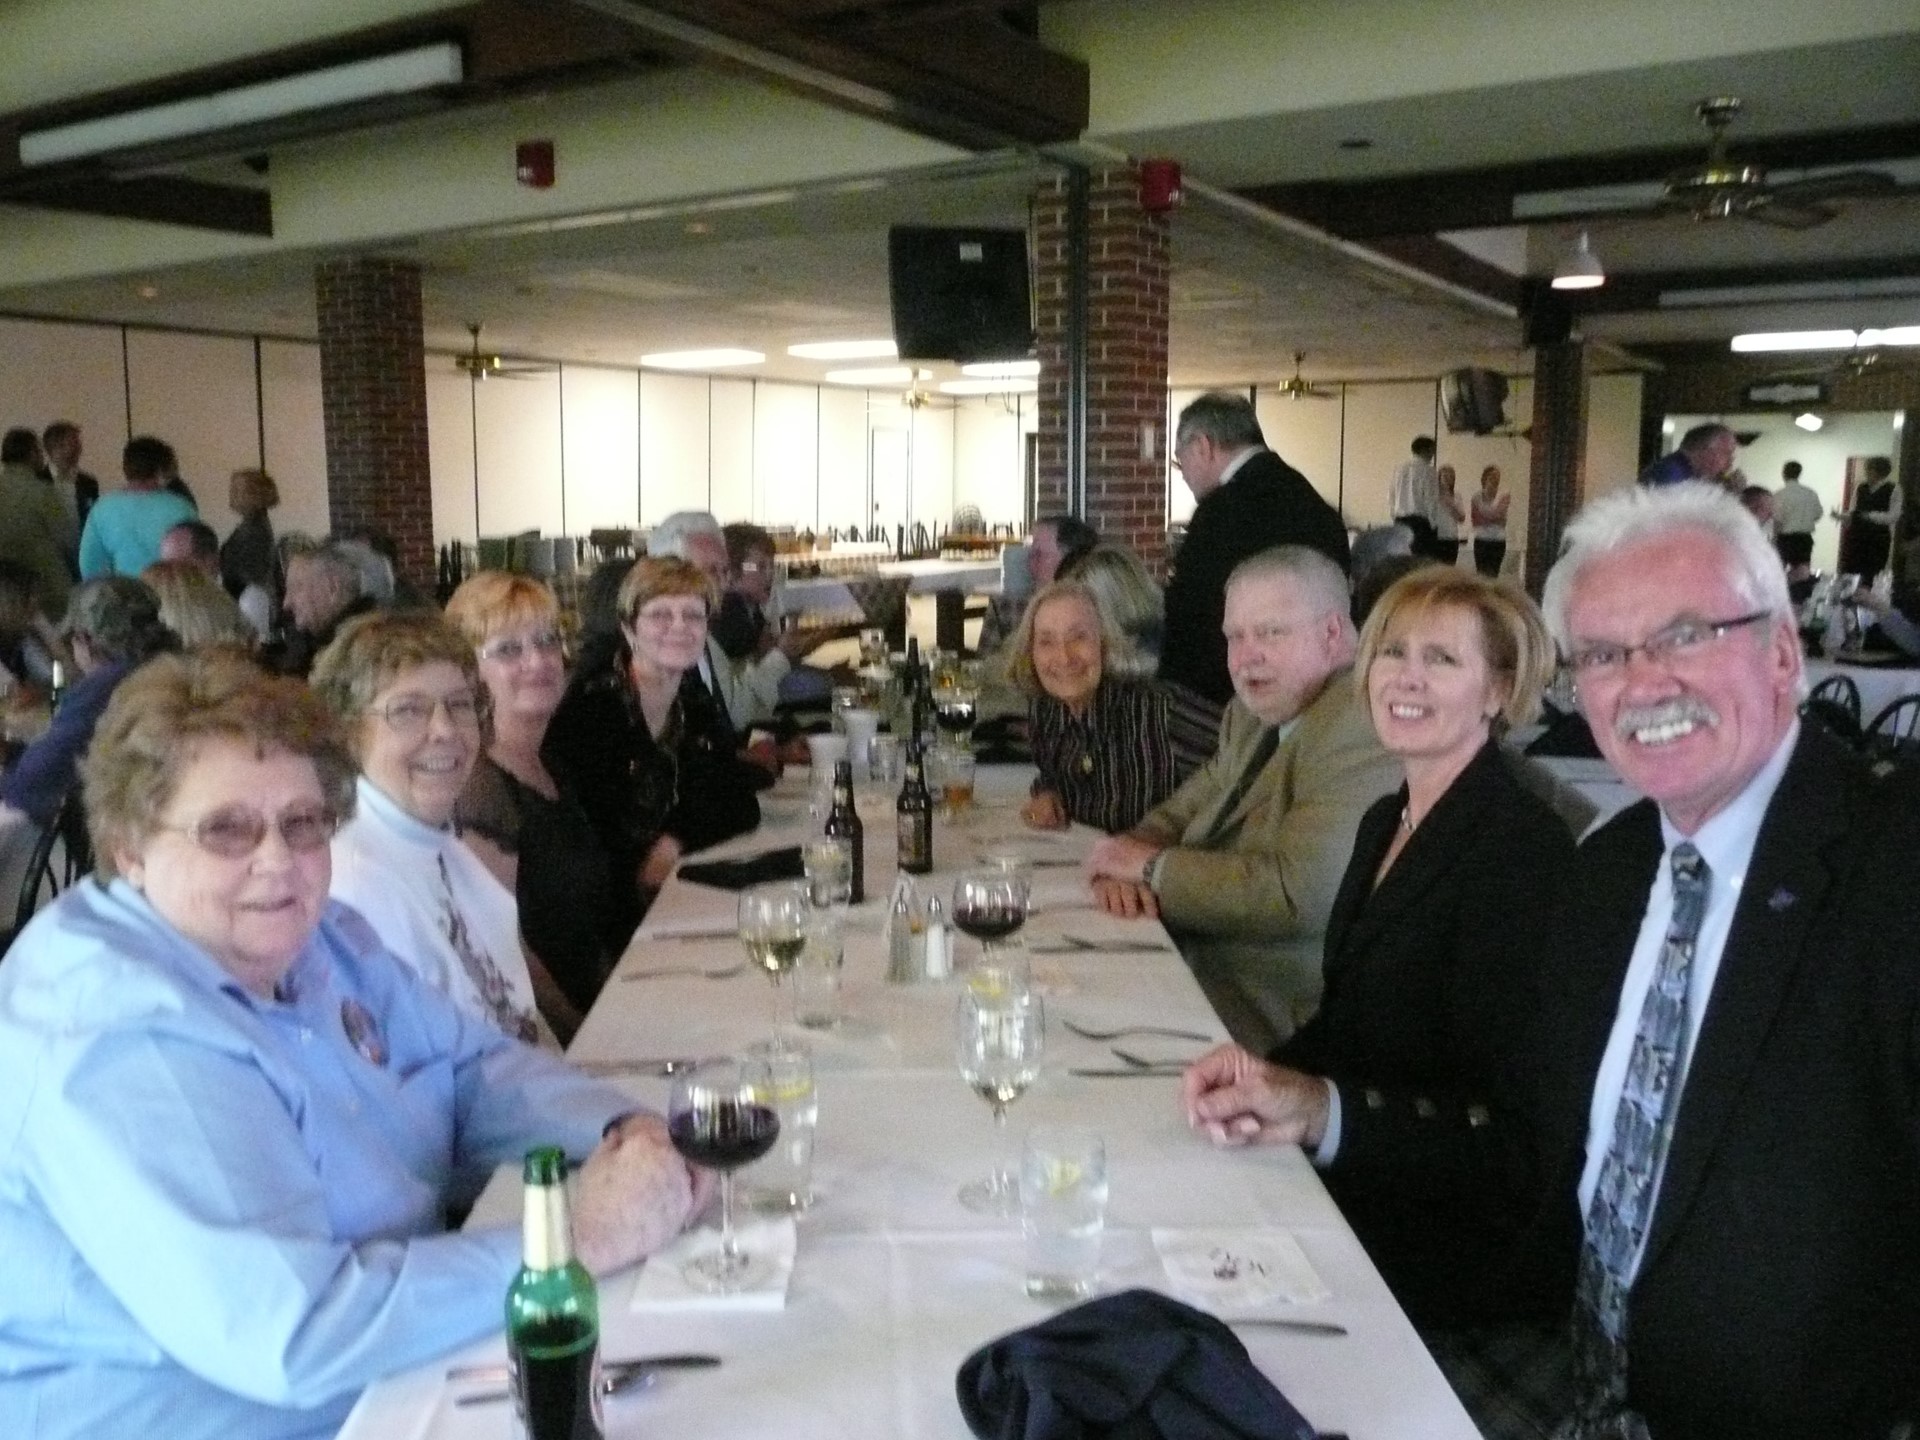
{"x": 1823, "y": 457}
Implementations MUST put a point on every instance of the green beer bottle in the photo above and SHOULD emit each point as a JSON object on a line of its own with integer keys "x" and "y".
{"x": 553, "y": 1316}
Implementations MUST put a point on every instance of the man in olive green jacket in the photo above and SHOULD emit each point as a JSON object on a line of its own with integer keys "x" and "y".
{"x": 1243, "y": 861}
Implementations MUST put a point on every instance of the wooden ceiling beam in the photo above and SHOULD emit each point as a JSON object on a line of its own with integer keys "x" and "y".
{"x": 967, "y": 79}
{"x": 1479, "y": 199}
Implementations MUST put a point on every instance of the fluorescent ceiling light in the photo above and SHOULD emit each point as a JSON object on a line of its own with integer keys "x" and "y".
{"x": 421, "y": 68}
{"x": 844, "y": 350}
{"x": 1769, "y": 340}
{"x": 1579, "y": 268}
{"x": 1891, "y": 285}
{"x": 1809, "y": 422}
{"x": 1898, "y": 335}
{"x": 872, "y": 375}
{"x": 1002, "y": 369}
{"x": 989, "y": 387}
{"x": 701, "y": 359}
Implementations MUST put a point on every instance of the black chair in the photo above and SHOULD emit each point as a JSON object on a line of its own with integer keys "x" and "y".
{"x": 1893, "y": 737}
{"x": 1835, "y": 703}
{"x": 43, "y": 879}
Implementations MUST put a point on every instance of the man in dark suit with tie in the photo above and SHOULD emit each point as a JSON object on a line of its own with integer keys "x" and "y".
{"x": 1248, "y": 500}
{"x": 1731, "y": 1084}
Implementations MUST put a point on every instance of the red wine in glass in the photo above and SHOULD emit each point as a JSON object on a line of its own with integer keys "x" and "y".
{"x": 721, "y": 1117}
{"x": 990, "y": 922}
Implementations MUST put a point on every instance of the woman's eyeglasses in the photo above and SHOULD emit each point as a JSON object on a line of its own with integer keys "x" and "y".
{"x": 235, "y": 832}
{"x": 508, "y": 649}
{"x": 410, "y": 715}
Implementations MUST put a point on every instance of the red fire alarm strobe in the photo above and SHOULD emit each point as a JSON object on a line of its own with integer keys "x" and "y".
{"x": 533, "y": 163}
{"x": 1159, "y": 185}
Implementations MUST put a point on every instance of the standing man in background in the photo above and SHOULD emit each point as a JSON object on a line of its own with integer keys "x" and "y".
{"x": 124, "y": 529}
{"x": 1416, "y": 498}
{"x": 1247, "y": 500}
{"x": 76, "y": 488}
{"x": 1796, "y": 510}
{"x": 1705, "y": 453}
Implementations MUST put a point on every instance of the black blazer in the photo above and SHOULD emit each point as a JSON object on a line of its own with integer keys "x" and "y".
{"x": 1779, "y": 1294}
{"x": 1431, "y": 980}
{"x": 1266, "y": 503}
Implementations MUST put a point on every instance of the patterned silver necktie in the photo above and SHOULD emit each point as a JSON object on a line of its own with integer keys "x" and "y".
{"x": 1622, "y": 1206}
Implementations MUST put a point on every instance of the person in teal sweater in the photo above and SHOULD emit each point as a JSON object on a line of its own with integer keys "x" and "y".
{"x": 124, "y": 528}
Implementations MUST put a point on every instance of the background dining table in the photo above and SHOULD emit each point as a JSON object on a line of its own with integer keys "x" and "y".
{"x": 895, "y": 1282}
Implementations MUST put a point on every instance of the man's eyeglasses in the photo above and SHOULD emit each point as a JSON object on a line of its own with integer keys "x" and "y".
{"x": 410, "y": 715}
{"x": 509, "y": 648}
{"x": 235, "y": 832}
{"x": 1680, "y": 641}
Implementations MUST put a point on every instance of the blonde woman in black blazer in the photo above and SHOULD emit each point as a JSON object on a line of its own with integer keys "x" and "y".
{"x": 1409, "y": 1089}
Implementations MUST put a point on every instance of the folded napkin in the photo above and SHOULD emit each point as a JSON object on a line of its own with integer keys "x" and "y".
{"x": 1132, "y": 1366}
{"x": 1238, "y": 1270}
{"x": 745, "y": 870}
{"x": 663, "y": 1289}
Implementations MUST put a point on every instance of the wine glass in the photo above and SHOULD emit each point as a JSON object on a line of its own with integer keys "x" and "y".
{"x": 998, "y": 1038}
{"x": 773, "y": 927}
{"x": 990, "y": 905}
{"x": 721, "y": 1117}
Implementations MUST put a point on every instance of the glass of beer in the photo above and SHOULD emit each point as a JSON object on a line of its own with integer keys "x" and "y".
{"x": 953, "y": 772}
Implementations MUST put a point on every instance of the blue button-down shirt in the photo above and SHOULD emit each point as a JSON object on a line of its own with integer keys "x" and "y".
{"x": 224, "y": 1216}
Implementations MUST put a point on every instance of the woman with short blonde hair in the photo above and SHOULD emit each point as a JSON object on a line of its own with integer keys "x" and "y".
{"x": 195, "y": 608}
{"x": 527, "y": 828}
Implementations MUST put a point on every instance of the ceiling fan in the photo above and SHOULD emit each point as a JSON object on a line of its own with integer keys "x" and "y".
{"x": 1298, "y": 388}
{"x": 1724, "y": 189}
{"x": 479, "y": 364}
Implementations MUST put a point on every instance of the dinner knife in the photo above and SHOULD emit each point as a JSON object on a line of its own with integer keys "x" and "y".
{"x": 617, "y": 1368}
{"x": 1278, "y": 1322}
{"x": 1131, "y": 1072}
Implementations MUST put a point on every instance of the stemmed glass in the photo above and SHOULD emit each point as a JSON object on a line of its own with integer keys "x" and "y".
{"x": 773, "y": 927}
{"x": 990, "y": 905}
{"x": 721, "y": 1117}
{"x": 998, "y": 1037}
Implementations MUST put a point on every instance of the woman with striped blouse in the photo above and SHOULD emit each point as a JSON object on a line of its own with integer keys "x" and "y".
{"x": 1108, "y": 746}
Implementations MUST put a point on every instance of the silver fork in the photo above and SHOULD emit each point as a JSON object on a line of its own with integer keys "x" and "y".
{"x": 1086, "y": 1034}
{"x": 724, "y": 972}
{"x": 1142, "y": 1062}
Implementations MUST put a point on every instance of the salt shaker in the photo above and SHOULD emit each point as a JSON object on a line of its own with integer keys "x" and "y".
{"x": 939, "y": 944}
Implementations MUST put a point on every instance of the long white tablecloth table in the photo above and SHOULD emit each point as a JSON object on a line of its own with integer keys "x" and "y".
{"x": 895, "y": 1283}
{"x": 830, "y": 593}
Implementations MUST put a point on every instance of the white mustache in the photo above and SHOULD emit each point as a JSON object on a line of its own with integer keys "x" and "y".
{"x": 1668, "y": 712}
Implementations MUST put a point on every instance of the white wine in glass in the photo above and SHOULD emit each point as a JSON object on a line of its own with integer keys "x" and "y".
{"x": 998, "y": 1039}
{"x": 773, "y": 928}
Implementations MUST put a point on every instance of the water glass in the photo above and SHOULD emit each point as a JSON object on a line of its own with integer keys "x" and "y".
{"x": 953, "y": 770}
{"x": 885, "y": 761}
{"x": 828, "y": 862}
{"x": 782, "y": 1182}
{"x": 1063, "y": 1210}
{"x": 816, "y": 977}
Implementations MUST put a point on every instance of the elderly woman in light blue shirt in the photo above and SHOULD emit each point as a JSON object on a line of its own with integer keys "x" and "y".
{"x": 234, "y": 1123}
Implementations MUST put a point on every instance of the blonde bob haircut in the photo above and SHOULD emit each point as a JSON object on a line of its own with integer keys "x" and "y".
{"x": 1513, "y": 637}
{"x": 373, "y": 651}
{"x": 490, "y": 601}
{"x": 1114, "y": 649}
{"x": 163, "y": 715}
{"x": 654, "y": 576}
{"x": 196, "y": 607}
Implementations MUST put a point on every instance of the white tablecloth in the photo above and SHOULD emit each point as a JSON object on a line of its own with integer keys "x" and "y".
{"x": 828, "y": 594}
{"x": 895, "y": 1282}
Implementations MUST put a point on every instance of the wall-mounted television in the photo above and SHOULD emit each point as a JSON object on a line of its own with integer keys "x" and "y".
{"x": 959, "y": 294}
{"x": 1473, "y": 401}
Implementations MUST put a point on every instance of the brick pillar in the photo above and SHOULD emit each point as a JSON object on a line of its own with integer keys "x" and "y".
{"x": 373, "y": 386}
{"x": 1126, "y": 359}
{"x": 1557, "y": 481}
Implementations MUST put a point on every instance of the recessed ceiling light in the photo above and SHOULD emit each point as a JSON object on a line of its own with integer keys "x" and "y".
{"x": 1762, "y": 341}
{"x": 988, "y": 387}
{"x": 149, "y": 292}
{"x": 701, "y": 359}
{"x": 1002, "y": 369}
{"x": 872, "y": 375}
{"x": 844, "y": 350}
{"x": 698, "y": 227}
{"x": 1809, "y": 422}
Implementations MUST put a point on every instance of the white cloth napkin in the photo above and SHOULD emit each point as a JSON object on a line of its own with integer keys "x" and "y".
{"x": 1235, "y": 1271}
{"x": 663, "y": 1289}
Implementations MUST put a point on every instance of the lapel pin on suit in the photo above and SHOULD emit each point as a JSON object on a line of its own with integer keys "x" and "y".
{"x": 1781, "y": 900}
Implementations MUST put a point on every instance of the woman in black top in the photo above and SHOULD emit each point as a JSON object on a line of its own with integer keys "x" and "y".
{"x": 1867, "y": 540}
{"x": 526, "y": 826}
{"x": 1108, "y": 746}
{"x": 645, "y": 743}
